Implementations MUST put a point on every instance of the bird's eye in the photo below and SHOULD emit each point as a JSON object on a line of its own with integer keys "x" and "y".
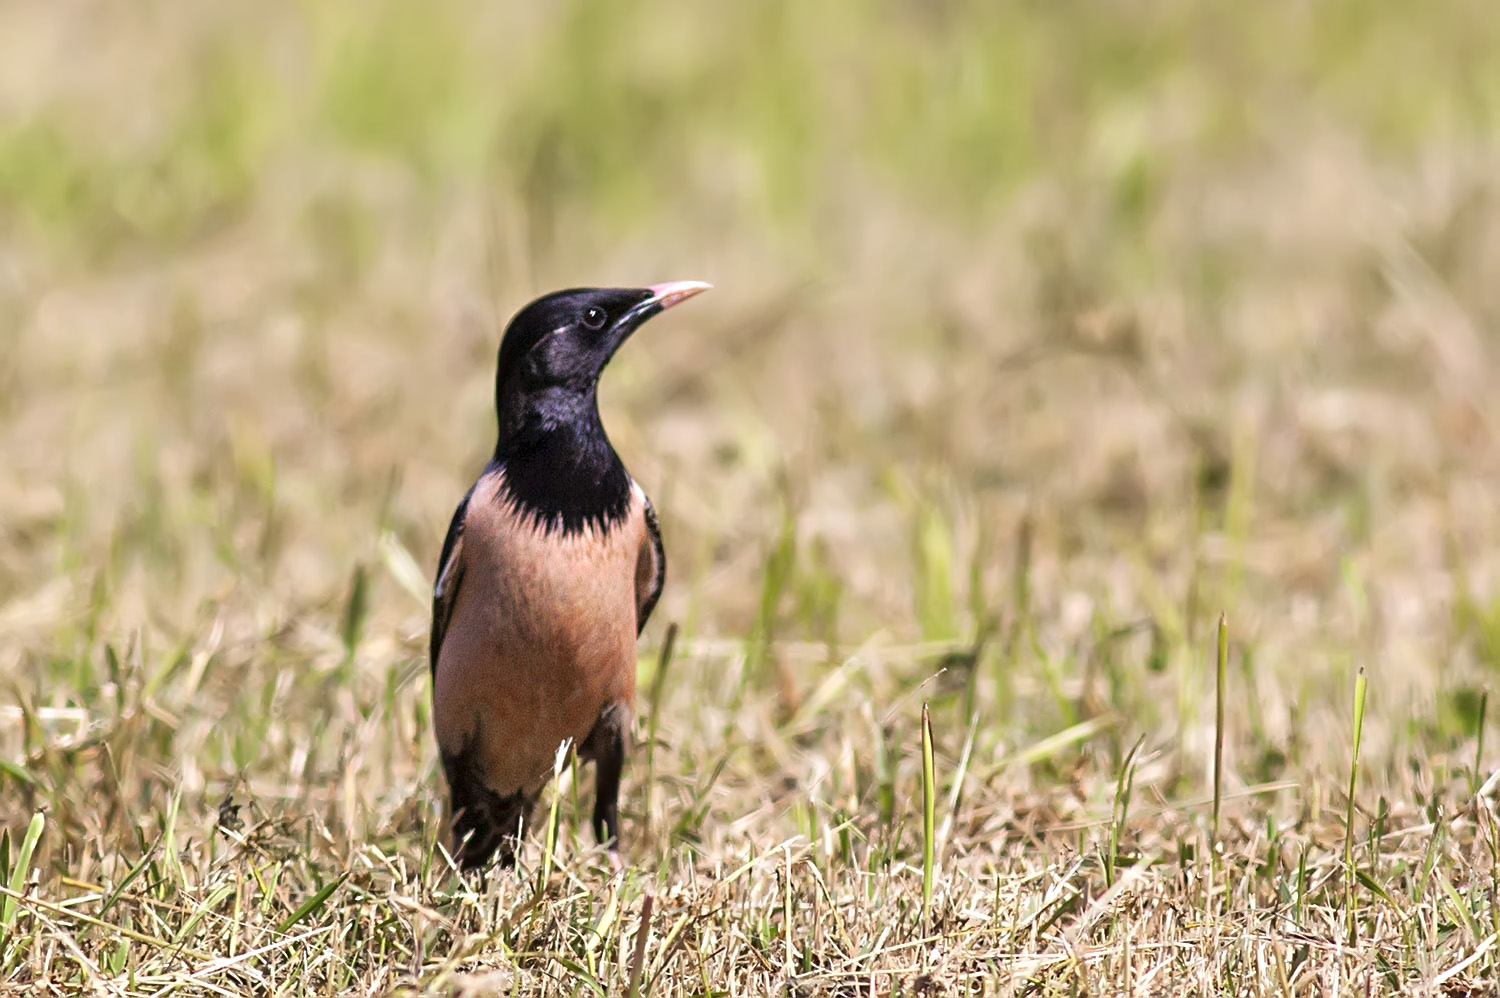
{"x": 594, "y": 317}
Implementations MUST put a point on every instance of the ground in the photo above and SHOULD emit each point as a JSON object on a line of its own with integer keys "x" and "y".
{"x": 1043, "y": 335}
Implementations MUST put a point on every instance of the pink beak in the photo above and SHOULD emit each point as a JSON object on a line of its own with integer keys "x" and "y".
{"x": 672, "y": 292}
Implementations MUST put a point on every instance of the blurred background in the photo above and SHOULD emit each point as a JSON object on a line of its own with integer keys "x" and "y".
{"x": 1061, "y": 325}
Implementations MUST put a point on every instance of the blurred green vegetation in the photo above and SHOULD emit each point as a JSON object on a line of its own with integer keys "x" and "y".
{"x": 611, "y": 109}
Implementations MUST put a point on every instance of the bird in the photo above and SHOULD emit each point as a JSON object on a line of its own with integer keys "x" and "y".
{"x": 552, "y": 564}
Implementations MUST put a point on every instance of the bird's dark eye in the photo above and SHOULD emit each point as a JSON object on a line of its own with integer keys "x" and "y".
{"x": 593, "y": 318}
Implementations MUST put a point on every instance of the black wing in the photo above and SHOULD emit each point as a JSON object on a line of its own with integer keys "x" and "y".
{"x": 449, "y": 575}
{"x": 649, "y": 581}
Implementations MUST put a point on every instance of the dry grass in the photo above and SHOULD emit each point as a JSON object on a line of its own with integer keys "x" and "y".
{"x": 1043, "y": 335}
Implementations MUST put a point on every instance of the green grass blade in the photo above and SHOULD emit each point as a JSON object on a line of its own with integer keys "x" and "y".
{"x": 311, "y": 906}
{"x": 929, "y": 814}
{"x": 1221, "y": 679}
{"x": 1359, "y": 727}
{"x": 17, "y": 772}
{"x": 21, "y": 869}
{"x": 404, "y": 569}
{"x": 1124, "y": 786}
{"x": 206, "y": 908}
{"x": 653, "y": 720}
{"x": 130, "y": 877}
{"x": 554, "y": 816}
{"x": 1474, "y": 777}
{"x": 356, "y": 609}
{"x": 955, "y": 790}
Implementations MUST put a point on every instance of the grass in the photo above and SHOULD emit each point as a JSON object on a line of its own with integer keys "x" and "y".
{"x": 1044, "y": 335}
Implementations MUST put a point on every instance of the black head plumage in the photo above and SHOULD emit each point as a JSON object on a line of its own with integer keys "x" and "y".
{"x": 558, "y": 463}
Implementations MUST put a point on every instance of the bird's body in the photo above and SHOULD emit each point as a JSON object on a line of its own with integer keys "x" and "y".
{"x": 552, "y": 564}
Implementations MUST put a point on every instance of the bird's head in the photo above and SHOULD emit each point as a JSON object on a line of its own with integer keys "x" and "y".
{"x": 563, "y": 340}
{"x": 556, "y": 347}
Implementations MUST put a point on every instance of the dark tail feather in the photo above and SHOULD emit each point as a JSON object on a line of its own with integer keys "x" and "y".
{"x": 485, "y": 824}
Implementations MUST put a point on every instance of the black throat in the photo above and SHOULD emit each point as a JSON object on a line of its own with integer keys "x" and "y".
{"x": 558, "y": 464}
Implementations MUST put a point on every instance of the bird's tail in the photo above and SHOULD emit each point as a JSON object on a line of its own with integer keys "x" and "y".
{"x": 485, "y": 824}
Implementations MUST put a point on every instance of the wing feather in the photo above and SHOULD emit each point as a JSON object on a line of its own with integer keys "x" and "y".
{"x": 651, "y": 569}
{"x": 450, "y": 575}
